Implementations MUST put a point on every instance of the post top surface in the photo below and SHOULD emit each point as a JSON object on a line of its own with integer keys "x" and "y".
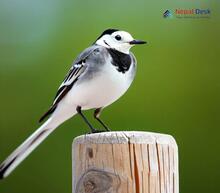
{"x": 125, "y": 137}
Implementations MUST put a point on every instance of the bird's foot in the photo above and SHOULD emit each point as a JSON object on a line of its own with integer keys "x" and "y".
{"x": 97, "y": 131}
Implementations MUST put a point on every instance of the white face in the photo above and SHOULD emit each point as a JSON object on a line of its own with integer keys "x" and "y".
{"x": 119, "y": 40}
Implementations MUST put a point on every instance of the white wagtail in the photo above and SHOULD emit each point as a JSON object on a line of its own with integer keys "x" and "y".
{"x": 100, "y": 75}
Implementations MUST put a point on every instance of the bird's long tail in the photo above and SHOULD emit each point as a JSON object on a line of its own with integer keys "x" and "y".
{"x": 26, "y": 148}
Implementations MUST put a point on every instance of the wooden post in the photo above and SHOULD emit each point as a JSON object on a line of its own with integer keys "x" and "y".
{"x": 125, "y": 162}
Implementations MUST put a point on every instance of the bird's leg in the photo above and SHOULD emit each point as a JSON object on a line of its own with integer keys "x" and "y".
{"x": 97, "y": 113}
{"x": 78, "y": 109}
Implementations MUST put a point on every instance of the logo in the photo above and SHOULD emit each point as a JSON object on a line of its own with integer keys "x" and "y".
{"x": 193, "y": 13}
{"x": 167, "y": 14}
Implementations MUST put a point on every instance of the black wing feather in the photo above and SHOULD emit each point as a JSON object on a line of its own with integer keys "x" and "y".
{"x": 62, "y": 91}
{"x": 72, "y": 76}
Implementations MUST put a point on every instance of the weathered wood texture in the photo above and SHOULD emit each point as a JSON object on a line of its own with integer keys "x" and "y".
{"x": 125, "y": 162}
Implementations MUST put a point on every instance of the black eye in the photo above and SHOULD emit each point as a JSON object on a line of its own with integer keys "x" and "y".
{"x": 118, "y": 37}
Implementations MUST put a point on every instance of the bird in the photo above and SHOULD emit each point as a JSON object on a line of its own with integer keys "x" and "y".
{"x": 99, "y": 76}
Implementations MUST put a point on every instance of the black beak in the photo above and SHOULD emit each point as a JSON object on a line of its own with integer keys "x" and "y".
{"x": 133, "y": 42}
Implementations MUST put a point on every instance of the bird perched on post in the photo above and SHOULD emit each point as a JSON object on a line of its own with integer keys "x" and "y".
{"x": 100, "y": 75}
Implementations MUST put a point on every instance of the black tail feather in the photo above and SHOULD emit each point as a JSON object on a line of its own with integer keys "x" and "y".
{"x": 4, "y": 167}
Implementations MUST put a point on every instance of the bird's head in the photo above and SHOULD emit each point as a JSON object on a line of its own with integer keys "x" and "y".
{"x": 121, "y": 41}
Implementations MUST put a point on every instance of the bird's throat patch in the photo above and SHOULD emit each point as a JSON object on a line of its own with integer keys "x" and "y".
{"x": 120, "y": 60}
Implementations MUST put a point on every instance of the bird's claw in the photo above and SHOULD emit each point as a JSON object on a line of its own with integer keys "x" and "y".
{"x": 96, "y": 131}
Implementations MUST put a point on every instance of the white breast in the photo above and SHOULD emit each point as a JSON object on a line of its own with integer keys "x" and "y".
{"x": 106, "y": 87}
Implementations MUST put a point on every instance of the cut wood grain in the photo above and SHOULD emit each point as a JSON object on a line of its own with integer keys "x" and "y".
{"x": 125, "y": 162}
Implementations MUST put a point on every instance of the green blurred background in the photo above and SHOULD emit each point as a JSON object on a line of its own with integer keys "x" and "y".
{"x": 176, "y": 91}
